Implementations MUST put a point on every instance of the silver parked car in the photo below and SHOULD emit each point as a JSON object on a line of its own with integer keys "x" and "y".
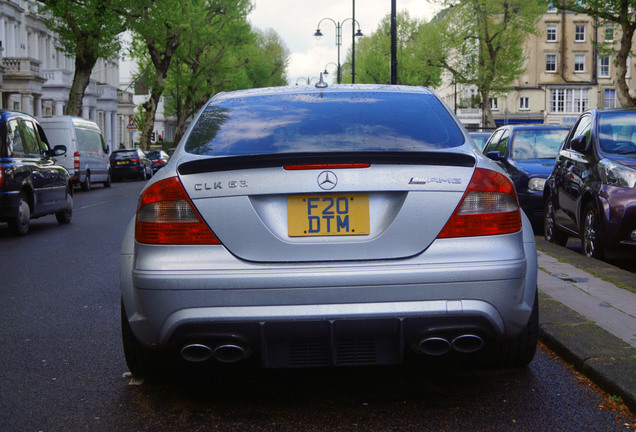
{"x": 338, "y": 226}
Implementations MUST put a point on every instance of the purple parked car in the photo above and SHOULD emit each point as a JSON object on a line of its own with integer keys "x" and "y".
{"x": 591, "y": 193}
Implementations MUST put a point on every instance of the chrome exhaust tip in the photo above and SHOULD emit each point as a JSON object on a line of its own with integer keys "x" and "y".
{"x": 434, "y": 346}
{"x": 230, "y": 353}
{"x": 468, "y": 343}
{"x": 196, "y": 353}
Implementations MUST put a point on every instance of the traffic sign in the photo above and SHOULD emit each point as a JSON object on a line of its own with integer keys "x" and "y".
{"x": 131, "y": 124}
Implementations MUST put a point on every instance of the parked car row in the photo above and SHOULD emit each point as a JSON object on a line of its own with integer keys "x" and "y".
{"x": 591, "y": 192}
{"x": 576, "y": 182}
{"x": 41, "y": 160}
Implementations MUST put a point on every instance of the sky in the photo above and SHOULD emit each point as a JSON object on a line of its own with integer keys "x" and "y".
{"x": 296, "y": 21}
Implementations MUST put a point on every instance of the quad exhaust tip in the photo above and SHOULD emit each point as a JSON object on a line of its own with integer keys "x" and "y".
{"x": 226, "y": 353}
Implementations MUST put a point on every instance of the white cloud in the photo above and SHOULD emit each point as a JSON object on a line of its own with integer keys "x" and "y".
{"x": 295, "y": 22}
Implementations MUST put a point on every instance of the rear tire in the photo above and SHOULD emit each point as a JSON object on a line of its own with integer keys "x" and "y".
{"x": 20, "y": 223}
{"x": 64, "y": 217}
{"x": 142, "y": 362}
{"x": 519, "y": 350}
{"x": 107, "y": 182}
{"x": 551, "y": 233}
{"x": 590, "y": 239}
{"x": 86, "y": 184}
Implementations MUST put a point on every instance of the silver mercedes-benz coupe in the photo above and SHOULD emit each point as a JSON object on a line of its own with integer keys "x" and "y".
{"x": 329, "y": 226}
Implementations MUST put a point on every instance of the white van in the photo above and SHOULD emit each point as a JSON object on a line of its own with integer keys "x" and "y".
{"x": 87, "y": 156}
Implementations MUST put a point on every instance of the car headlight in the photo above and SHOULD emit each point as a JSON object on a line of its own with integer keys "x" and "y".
{"x": 536, "y": 184}
{"x": 616, "y": 174}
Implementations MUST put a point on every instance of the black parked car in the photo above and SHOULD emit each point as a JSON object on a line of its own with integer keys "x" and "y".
{"x": 159, "y": 159}
{"x": 527, "y": 153}
{"x": 130, "y": 163}
{"x": 32, "y": 184}
{"x": 591, "y": 194}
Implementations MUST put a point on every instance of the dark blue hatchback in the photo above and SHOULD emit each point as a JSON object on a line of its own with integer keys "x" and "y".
{"x": 527, "y": 153}
{"x": 32, "y": 184}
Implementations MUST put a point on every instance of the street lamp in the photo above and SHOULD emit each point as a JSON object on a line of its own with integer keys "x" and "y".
{"x": 326, "y": 72}
{"x": 338, "y": 25}
{"x": 306, "y": 79}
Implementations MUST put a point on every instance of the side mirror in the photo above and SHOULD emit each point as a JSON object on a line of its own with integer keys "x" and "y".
{"x": 579, "y": 143}
{"x": 494, "y": 155}
{"x": 58, "y": 150}
{"x": 107, "y": 150}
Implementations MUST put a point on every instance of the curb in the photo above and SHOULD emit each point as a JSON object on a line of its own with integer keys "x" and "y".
{"x": 604, "y": 358}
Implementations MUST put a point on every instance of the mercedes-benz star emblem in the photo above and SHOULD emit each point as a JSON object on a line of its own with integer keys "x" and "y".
{"x": 327, "y": 180}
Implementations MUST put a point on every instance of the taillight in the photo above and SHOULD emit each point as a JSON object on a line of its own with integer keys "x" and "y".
{"x": 165, "y": 215}
{"x": 135, "y": 161}
{"x": 489, "y": 207}
{"x": 76, "y": 163}
{"x": 1, "y": 176}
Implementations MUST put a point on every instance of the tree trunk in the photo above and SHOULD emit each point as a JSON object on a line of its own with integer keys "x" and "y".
{"x": 81, "y": 78}
{"x": 489, "y": 120}
{"x": 150, "y": 107}
{"x": 622, "y": 90}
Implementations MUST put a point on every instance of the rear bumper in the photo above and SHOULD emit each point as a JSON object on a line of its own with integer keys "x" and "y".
{"x": 483, "y": 286}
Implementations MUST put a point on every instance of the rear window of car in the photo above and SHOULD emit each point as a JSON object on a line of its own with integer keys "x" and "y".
{"x": 324, "y": 122}
{"x": 119, "y": 155}
{"x": 538, "y": 143}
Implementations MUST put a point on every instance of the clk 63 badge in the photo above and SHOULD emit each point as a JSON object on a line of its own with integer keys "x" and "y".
{"x": 232, "y": 184}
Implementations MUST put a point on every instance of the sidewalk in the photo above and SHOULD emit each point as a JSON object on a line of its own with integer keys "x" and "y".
{"x": 588, "y": 321}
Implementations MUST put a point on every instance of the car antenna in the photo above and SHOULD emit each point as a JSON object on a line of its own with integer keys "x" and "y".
{"x": 321, "y": 83}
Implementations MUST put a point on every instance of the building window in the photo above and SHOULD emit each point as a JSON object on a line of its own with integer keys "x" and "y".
{"x": 550, "y": 63}
{"x": 609, "y": 99}
{"x": 609, "y": 34}
{"x": 579, "y": 33}
{"x": 604, "y": 66}
{"x": 494, "y": 104}
{"x": 569, "y": 101}
{"x": 579, "y": 63}
{"x": 524, "y": 103}
{"x": 552, "y": 33}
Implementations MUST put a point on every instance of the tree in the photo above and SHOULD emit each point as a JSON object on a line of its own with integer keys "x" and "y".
{"x": 484, "y": 43}
{"x": 161, "y": 26}
{"x": 621, "y": 13}
{"x": 268, "y": 60}
{"x": 235, "y": 58}
{"x": 87, "y": 30}
{"x": 414, "y": 53}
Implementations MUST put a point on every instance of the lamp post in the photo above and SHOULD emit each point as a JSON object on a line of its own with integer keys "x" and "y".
{"x": 306, "y": 79}
{"x": 338, "y": 25}
{"x": 326, "y": 72}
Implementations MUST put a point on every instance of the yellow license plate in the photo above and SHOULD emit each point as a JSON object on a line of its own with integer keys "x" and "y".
{"x": 122, "y": 162}
{"x": 328, "y": 215}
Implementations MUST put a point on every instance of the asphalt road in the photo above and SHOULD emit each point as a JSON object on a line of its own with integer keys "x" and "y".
{"x": 62, "y": 366}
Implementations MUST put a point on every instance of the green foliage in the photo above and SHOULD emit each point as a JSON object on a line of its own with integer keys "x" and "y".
{"x": 483, "y": 42}
{"x": 414, "y": 52}
{"x": 84, "y": 25}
